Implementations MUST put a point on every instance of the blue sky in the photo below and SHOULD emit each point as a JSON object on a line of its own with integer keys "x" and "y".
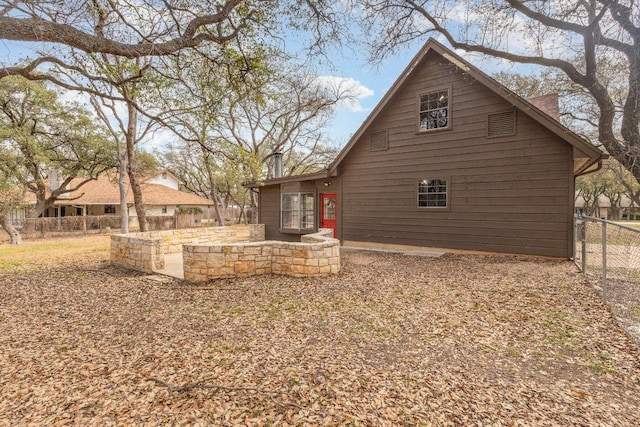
{"x": 374, "y": 80}
{"x": 349, "y": 65}
{"x": 370, "y": 81}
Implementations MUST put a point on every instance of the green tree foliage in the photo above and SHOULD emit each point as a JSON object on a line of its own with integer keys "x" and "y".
{"x": 613, "y": 185}
{"x": 50, "y": 148}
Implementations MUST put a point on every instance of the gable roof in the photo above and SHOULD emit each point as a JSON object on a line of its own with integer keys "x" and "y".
{"x": 582, "y": 147}
{"x": 159, "y": 173}
{"x": 105, "y": 191}
{"x": 605, "y": 202}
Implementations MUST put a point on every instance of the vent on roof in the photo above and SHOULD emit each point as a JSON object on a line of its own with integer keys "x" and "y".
{"x": 501, "y": 124}
{"x": 379, "y": 140}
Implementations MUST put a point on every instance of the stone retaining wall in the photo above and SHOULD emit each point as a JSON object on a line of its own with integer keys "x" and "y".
{"x": 317, "y": 254}
{"x": 145, "y": 251}
{"x": 143, "y": 254}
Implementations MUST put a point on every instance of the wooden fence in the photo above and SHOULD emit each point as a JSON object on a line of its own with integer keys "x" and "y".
{"x": 39, "y": 227}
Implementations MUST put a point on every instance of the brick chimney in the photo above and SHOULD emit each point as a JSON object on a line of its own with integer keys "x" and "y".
{"x": 548, "y": 104}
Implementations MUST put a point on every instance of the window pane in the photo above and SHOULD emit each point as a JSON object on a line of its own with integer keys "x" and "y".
{"x": 443, "y": 99}
{"x": 290, "y": 209}
{"x": 290, "y": 219}
{"x": 434, "y": 110}
{"x": 307, "y": 220}
{"x": 329, "y": 208}
{"x": 297, "y": 211}
{"x": 424, "y": 103}
{"x": 307, "y": 201}
{"x": 308, "y": 217}
{"x": 423, "y": 121}
{"x": 289, "y": 202}
{"x": 432, "y": 193}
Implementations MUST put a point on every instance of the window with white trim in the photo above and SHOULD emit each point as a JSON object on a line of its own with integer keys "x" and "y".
{"x": 297, "y": 211}
{"x": 434, "y": 110}
{"x": 433, "y": 193}
{"x": 109, "y": 209}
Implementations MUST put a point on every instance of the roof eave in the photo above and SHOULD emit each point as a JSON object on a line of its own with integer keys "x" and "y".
{"x": 287, "y": 179}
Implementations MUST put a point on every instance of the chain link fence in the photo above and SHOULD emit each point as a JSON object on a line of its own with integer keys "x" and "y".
{"x": 608, "y": 253}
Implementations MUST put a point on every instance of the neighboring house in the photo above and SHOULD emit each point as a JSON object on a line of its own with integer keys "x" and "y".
{"x": 102, "y": 197}
{"x": 625, "y": 209}
{"x": 449, "y": 158}
{"x": 165, "y": 178}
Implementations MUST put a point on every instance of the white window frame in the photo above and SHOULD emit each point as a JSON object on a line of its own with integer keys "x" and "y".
{"x": 302, "y": 211}
{"x": 434, "y": 109}
{"x": 432, "y": 192}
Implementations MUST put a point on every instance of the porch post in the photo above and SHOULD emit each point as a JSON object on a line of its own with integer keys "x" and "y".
{"x": 84, "y": 219}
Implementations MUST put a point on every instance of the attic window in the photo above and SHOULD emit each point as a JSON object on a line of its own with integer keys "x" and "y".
{"x": 379, "y": 140}
{"x": 501, "y": 124}
{"x": 434, "y": 110}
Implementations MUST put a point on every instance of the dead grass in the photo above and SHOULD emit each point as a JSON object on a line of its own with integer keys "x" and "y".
{"x": 391, "y": 340}
{"x": 634, "y": 224}
{"x": 39, "y": 253}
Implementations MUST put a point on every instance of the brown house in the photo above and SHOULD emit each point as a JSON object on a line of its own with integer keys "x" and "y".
{"x": 448, "y": 159}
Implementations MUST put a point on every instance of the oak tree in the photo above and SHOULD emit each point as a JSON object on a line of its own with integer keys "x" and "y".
{"x": 578, "y": 39}
{"x": 50, "y": 148}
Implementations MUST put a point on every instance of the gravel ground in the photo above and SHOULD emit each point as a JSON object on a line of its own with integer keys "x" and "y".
{"x": 392, "y": 340}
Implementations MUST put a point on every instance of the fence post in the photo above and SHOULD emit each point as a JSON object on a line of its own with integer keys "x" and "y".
{"x": 604, "y": 260}
{"x": 583, "y": 239}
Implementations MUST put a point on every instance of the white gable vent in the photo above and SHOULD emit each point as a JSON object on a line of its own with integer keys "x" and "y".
{"x": 501, "y": 124}
{"x": 379, "y": 140}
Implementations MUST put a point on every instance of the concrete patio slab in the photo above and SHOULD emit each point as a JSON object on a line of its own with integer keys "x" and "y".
{"x": 173, "y": 266}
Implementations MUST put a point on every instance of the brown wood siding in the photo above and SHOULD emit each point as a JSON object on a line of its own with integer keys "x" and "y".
{"x": 506, "y": 194}
{"x": 269, "y": 206}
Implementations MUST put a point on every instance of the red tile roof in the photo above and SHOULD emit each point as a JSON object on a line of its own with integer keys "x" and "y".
{"x": 104, "y": 191}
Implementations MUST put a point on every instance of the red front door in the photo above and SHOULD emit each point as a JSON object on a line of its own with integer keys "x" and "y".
{"x": 329, "y": 212}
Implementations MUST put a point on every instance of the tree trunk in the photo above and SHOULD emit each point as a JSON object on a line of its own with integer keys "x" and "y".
{"x": 212, "y": 187}
{"x": 216, "y": 205}
{"x": 14, "y": 234}
{"x": 40, "y": 207}
{"x": 132, "y": 164}
{"x": 253, "y": 209}
{"x": 122, "y": 186}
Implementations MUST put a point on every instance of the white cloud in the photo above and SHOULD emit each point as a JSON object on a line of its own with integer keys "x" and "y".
{"x": 351, "y": 91}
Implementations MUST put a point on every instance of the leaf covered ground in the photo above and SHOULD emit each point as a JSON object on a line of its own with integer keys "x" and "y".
{"x": 391, "y": 340}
